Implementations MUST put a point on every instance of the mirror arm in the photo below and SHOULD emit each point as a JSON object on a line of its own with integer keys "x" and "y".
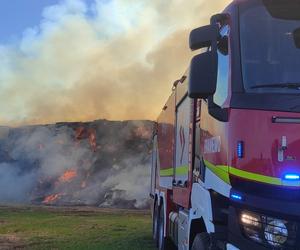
{"x": 219, "y": 18}
{"x": 219, "y": 113}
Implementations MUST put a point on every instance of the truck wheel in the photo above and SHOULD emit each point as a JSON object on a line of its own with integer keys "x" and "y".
{"x": 155, "y": 223}
{"x": 164, "y": 243}
{"x": 201, "y": 242}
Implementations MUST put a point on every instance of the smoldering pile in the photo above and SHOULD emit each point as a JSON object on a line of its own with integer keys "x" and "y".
{"x": 101, "y": 163}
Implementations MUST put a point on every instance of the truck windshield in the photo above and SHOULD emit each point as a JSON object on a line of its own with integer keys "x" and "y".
{"x": 270, "y": 50}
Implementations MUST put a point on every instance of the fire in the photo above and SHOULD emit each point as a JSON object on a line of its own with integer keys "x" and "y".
{"x": 82, "y": 133}
{"x": 51, "y": 198}
{"x": 68, "y": 176}
{"x": 79, "y": 133}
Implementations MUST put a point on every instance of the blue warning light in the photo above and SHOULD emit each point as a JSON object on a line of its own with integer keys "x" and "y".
{"x": 236, "y": 197}
{"x": 292, "y": 177}
{"x": 240, "y": 149}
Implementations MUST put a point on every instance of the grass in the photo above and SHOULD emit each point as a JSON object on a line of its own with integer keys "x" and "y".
{"x": 74, "y": 228}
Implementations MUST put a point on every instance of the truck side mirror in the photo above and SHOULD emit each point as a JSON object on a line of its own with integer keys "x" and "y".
{"x": 203, "y": 75}
{"x": 204, "y": 36}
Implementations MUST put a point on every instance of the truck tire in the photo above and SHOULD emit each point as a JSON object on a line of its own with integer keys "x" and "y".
{"x": 155, "y": 220}
{"x": 202, "y": 241}
{"x": 164, "y": 243}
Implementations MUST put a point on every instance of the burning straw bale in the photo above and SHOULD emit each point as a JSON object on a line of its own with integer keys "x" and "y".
{"x": 101, "y": 163}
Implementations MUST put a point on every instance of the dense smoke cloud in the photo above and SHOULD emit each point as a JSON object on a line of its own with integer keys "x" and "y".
{"x": 101, "y": 163}
{"x": 14, "y": 186}
{"x": 111, "y": 59}
{"x": 33, "y": 156}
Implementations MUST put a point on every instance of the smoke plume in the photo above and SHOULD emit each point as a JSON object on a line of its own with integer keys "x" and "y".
{"x": 110, "y": 59}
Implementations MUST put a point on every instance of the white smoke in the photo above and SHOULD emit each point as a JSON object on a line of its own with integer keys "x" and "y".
{"x": 112, "y": 59}
{"x": 53, "y": 150}
{"x": 134, "y": 179}
{"x": 15, "y": 187}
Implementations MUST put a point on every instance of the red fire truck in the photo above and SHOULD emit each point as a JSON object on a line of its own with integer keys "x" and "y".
{"x": 226, "y": 156}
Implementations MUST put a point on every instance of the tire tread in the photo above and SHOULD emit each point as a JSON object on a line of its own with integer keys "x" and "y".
{"x": 202, "y": 241}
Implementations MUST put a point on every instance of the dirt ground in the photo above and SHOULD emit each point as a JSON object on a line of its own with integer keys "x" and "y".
{"x": 10, "y": 241}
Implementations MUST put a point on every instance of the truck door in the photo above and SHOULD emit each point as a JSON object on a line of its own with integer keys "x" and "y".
{"x": 154, "y": 166}
{"x": 198, "y": 171}
{"x": 183, "y": 113}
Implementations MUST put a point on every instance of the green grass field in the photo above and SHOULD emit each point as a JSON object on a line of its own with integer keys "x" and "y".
{"x": 74, "y": 228}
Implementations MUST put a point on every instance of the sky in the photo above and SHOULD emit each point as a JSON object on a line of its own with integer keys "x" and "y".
{"x": 80, "y": 60}
{"x": 17, "y": 15}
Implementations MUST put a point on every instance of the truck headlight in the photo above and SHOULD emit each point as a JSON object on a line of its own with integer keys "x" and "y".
{"x": 250, "y": 219}
{"x": 267, "y": 230}
{"x": 276, "y": 232}
{"x": 252, "y": 225}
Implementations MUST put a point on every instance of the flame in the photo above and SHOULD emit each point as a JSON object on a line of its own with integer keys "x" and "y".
{"x": 82, "y": 133}
{"x": 68, "y": 176}
{"x": 51, "y": 198}
{"x": 79, "y": 133}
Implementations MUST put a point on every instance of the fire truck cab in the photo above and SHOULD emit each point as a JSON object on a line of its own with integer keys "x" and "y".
{"x": 226, "y": 158}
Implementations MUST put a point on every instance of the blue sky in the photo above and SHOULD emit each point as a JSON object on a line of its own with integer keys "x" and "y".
{"x": 17, "y": 15}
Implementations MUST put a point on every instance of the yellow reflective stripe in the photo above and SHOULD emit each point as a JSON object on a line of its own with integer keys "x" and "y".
{"x": 223, "y": 173}
{"x": 219, "y": 170}
{"x": 166, "y": 172}
{"x": 182, "y": 170}
{"x": 255, "y": 177}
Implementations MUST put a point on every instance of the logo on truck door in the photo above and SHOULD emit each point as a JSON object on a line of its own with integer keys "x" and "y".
{"x": 182, "y": 142}
{"x": 212, "y": 145}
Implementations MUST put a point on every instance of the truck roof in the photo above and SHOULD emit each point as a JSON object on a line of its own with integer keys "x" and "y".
{"x": 267, "y": 2}
{"x": 237, "y": 2}
{"x": 285, "y": 9}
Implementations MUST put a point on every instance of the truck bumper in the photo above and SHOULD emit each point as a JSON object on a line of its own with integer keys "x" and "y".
{"x": 267, "y": 210}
